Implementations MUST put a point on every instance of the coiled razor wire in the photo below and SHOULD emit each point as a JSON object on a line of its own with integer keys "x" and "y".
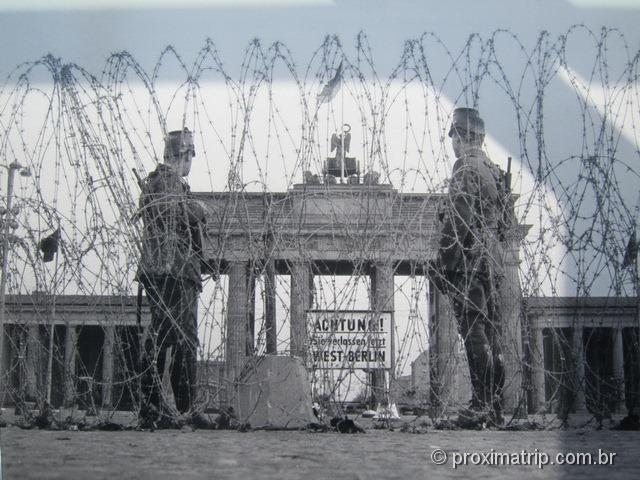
{"x": 258, "y": 130}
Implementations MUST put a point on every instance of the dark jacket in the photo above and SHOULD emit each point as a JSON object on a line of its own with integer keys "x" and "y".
{"x": 171, "y": 239}
{"x": 473, "y": 213}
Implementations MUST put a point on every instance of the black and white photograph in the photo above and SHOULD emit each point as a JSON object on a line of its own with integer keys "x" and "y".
{"x": 319, "y": 239}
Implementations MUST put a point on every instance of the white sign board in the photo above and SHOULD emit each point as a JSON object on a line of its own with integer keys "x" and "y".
{"x": 351, "y": 339}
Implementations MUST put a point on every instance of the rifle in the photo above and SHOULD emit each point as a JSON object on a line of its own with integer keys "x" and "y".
{"x": 507, "y": 207}
{"x": 139, "y": 179}
{"x": 136, "y": 216}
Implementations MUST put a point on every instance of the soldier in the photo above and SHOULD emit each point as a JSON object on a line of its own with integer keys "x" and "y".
{"x": 470, "y": 258}
{"x": 170, "y": 271}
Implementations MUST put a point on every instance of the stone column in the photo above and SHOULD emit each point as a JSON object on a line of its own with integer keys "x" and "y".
{"x": 238, "y": 316}
{"x": 382, "y": 291}
{"x": 270, "y": 323}
{"x": 301, "y": 299}
{"x": 382, "y": 287}
{"x": 5, "y": 362}
{"x": 70, "y": 349}
{"x": 21, "y": 333}
{"x": 250, "y": 337}
{"x": 618, "y": 366}
{"x": 443, "y": 344}
{"x": 537, "y": 370}
{"x": 33, "y": 363}
{"x": 579, "y": 403}
{"x": 107, "y": 365}
{"x": 511, "y": 309}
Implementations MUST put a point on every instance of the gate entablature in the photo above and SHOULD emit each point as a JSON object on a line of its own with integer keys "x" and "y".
{"x": 323, "y": 223}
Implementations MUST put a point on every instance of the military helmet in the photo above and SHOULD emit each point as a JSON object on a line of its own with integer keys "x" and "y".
{"x": 466, "y": 121}
{"x": 178, "y": 142}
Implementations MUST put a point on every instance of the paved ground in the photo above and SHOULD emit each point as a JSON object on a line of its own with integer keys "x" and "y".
{"x": 186, "y": 454}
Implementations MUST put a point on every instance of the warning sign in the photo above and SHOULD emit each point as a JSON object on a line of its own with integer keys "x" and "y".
{"x": 349, "y": 339}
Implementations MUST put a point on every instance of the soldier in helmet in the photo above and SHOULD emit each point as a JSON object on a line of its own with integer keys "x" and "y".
{"x": 170, "y": 271}
{"x": 470, "y": 258}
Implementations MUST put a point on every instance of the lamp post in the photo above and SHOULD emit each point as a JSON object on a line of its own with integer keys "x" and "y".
{"x": 635, "y": 407}
{"x": 7, "y": 223}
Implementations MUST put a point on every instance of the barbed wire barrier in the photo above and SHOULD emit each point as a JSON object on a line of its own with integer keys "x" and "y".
{"x": 564, "y": 108}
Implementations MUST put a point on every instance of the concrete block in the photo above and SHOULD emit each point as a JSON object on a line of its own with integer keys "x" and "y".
{"x": 275, "y": 392}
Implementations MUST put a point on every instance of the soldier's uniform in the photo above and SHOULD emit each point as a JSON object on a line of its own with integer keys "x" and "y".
{"x": 471, "y": 259}
{"x": 170, "y": 271}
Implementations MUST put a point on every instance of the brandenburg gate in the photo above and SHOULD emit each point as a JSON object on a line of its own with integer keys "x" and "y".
{"x": 352, "y": 228}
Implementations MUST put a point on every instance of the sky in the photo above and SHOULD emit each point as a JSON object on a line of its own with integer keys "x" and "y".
{"x": 87, "y": 32}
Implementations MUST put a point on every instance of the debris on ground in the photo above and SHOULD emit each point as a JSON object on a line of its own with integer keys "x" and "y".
{"x": 346, "y": 425}
{"x": 630, "y": 422}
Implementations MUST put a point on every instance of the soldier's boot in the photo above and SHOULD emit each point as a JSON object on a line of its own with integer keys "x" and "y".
{"x": 148, "y": 415}
{"x": 495, "y": 418}
{"x": 202, "y": 421}
{"x": 473, "y": 417}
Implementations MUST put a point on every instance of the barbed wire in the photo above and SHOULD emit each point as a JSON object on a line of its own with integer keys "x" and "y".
{"x": 567, "y": 115}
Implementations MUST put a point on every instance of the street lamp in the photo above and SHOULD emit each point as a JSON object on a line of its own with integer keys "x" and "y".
{"x": 7, "y": 223}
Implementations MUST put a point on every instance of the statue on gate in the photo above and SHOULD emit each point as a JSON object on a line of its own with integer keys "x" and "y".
{"x": 341, "y": 166}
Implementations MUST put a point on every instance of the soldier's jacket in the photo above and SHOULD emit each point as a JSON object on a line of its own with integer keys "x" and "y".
{"x": 473, "y": 215}
{"x": 171, "y": 241}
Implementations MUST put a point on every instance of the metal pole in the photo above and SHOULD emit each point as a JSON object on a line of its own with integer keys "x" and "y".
{"x": 342, "y": 134}
{"x": 392, "y": 371}
{"x": 52, "y": 333}
{"x": 5, "y": 258}
{"x": 635, "y": 408}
